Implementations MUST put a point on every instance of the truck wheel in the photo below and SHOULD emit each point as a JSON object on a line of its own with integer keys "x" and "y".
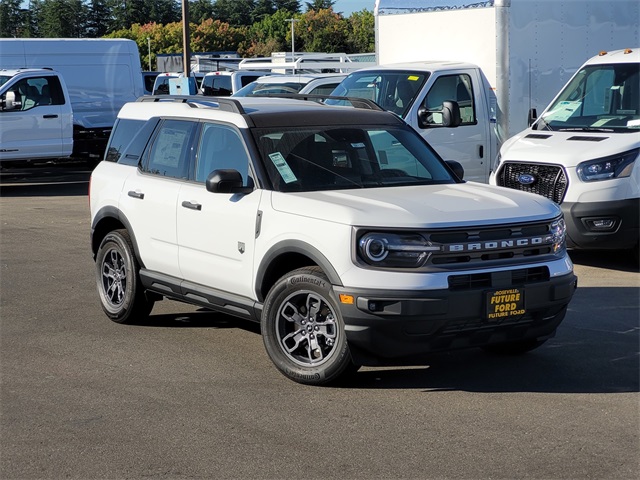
{"x": 119, "y": 288}
{"x": 303, "y": 330}
{"x": 514, "y": 348}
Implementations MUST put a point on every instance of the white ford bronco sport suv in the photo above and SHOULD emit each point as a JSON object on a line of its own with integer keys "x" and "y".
{"x": 338, "y": 229}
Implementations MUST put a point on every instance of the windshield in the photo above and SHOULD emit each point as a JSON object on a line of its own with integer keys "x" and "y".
{"x": 334, "y": 158}
{"x": 393, "y": 91}
{"x": 255, "y": 89}
{"x": 598, "y": 98}
{"x": 4, "y": 79}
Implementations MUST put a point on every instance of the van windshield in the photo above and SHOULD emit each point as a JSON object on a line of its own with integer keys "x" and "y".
{"x": 392, "y": 90}
{"x": 4, "y": 79}
{"x": 598, "y": 98}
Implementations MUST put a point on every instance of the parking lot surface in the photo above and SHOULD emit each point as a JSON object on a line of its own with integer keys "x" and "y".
{"x": 192, "y": 394}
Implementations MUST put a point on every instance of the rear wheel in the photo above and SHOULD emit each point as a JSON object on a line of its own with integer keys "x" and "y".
{"x": 118, "y": 280}
{"x": 303, "y": 330}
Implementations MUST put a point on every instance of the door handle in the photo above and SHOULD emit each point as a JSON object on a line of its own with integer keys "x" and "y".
{"x": 50, "y": 116}
{"x": 192, "y": 206}
{"x": 481, "y": 151}
{"x": 134, "y": 194}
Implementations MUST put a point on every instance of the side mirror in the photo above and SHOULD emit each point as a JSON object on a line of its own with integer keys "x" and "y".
{"x": 226, "y": 181}
{"x": 457, "y": 168}
{"x": 8, "y": 101}
{"x": 532, "y": 117}
{"x": 451, "y": 114}
{"x": 448, "y": 116}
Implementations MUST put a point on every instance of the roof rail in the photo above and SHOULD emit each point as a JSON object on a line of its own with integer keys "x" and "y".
{"x": 355, "y": 102}
{"x": 223, "y": 103}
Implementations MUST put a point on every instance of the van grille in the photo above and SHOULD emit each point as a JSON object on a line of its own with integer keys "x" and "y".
{"x": 548, "y": 180}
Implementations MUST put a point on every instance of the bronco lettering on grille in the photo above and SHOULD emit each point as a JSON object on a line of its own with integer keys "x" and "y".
{"x": 497, "y": 244}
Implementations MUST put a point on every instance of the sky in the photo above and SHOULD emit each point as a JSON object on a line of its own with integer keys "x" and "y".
{"x": 347, "y": 7}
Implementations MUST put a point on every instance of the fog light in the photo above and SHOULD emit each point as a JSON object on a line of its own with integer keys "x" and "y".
{"x": 601, "y": 224}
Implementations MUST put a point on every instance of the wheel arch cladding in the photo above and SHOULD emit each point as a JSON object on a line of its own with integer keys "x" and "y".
{"x": 107, "y": 220}
{"x": 287, "y": 256}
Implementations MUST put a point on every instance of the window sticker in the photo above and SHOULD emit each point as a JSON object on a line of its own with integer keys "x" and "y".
{"x": 413, "y": 78}
{"x": 283, "y": 167}
{"x": 562, "y": 112}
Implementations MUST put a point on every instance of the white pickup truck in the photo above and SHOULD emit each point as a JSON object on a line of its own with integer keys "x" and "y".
{"x": 60, "y": 97}
{"x": 36, "y": 117}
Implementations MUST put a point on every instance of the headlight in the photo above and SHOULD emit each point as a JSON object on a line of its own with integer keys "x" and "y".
{"x": 558, "y": 232}
{"x": 615, "y": 166}
{"x": 395, "y": 250}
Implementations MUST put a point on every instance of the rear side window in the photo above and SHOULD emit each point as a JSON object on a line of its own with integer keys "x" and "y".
{"x": 170, "y": 152}
{"x": 123, "y": 132}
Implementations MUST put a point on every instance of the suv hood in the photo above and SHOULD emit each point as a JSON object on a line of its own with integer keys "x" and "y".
{"x": 433, "y": 206}
{"x": 566, "y": 148}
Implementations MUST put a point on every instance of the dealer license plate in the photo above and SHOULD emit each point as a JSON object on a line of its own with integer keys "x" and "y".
{"x": 506, "y": 303}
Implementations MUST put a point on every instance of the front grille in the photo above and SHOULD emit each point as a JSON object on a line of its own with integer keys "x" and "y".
{"x": 481, "y": 246}
{"x": 548, "y": 180}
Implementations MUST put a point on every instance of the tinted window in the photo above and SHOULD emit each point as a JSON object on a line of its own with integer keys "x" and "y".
{"x": 221, "y": 147}
{"x": 169, "y": 154}
{"x": 38, "y": 91}
{"x": 123, "y": 132}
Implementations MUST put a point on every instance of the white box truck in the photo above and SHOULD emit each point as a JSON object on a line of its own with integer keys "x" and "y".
{"x": 583, "y": 153}
{"x": 497, "y": 59}
{"x": 95, "y": 77}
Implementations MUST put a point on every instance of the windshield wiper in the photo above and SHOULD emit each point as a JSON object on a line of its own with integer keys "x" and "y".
{"x": 586, "y": 129}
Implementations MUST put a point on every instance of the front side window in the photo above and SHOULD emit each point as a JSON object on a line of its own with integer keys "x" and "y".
{"x": 330, "y": 158}
{"x": 38, "y": 91}
{"x": 221, "y": 147}
{"x": 457, "y": 88}
{"x": 169, "y": 154}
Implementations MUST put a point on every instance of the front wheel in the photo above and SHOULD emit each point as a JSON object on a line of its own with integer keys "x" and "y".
{"x": 303, "y": 330}
{"x": 118, "y": 281}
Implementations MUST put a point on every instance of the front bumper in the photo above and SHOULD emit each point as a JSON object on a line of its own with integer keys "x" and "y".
{"x": 582, "y": 232}
{"x": 387, "y": 326}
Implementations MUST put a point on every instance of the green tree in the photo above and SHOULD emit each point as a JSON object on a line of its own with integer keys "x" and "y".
{"x": 320, "y": 5}
{"x": 361, "y": 32}
{"x": 200, "y": 10}
{"x": 12, "y": 22}
{"x": 234, "y": 12}
{"x": 98, "y": 20}
{"x": 292, "y": 6}
{"x": 321, "y": 31}
{"x": 62, "y": 18}
{"x": 271, "y": 34}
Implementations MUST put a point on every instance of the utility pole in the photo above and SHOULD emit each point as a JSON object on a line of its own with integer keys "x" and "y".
{"x": 293, "y": 42}
{"x": 186, "y": 42}
{"x": 149, "y": 43}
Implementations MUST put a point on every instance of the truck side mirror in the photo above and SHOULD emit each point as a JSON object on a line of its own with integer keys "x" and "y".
{"x": 8, "y": 101}
{"x": 448, "y": 116}
{"x": 532, "y": 117}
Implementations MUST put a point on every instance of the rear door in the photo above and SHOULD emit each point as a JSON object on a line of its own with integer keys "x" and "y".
{"x": 150, "y": 194}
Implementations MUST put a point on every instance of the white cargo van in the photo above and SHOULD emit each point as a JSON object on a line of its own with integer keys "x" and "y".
{"x": 583, "y": 153}
{"x": 100, "y": 75}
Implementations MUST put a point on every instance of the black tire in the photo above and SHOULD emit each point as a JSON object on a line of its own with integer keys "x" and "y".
{"x": 303, "y": 330}
{"x": 117, "y": 276}
{"x": 514, "y": 348}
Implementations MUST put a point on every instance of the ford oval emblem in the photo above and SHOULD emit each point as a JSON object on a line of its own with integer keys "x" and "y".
{"x": 526, "y": 179}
